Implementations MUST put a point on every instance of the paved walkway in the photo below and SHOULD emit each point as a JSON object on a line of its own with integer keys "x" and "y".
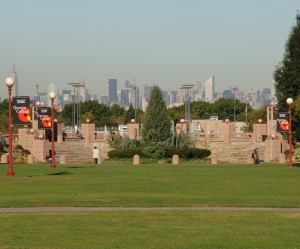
{"x": 106, "y": 209}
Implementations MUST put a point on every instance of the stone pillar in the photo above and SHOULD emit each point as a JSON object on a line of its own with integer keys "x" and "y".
{"x": 136, "y": 159}
{"x": 250, "y": 160}
{"x": 59, "y": 139}
{"x": 282, "y": 158}
{"x": 87, "y": 139}
{"x": 226, "y": 139}
{"x": 4, "y": 158}
{"x": 88, "y": 131}
{"x": 214, "y": 159}
{"x": 272, "y": 149}
{"x": 181, "y": 126}
{"x": 226, "y": 129}
{"x": 207, "y": 138}
{"x": 175, "y": 159}
{"x": 62, "y": 159}
{"x": 258, "y": 131}
{"x": 133, "y": 130}
{"x": 30, "y": 158}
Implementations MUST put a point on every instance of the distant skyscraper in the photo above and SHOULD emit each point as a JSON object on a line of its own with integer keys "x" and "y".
{"x": 210, "y": 88}
{"x": 112, "y": 91}
{"x": 15, "y": 88}
{"x": 82, "y": 91}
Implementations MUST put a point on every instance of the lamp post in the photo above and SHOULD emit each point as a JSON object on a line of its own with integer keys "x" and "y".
{"x": 52, "y": 96}
{"x": 135, "y": 102}
{"x": 289, "y": 101}
{"x": 234, "y": 88}
{"x": 10, "y": 82}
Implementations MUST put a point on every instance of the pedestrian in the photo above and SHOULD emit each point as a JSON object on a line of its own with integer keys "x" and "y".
{"x": 96, "y": 154}
{"x": 255, "y": 156}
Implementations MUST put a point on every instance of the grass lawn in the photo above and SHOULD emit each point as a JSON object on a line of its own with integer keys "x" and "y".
{"x": 264, "y": 185}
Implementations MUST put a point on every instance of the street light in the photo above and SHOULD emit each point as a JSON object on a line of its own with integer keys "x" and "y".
{"x": 289, "y": 101}
{"x": 234, "y": 88}
{"x": 52, "y": 96}
{"x": 10, "y": 82}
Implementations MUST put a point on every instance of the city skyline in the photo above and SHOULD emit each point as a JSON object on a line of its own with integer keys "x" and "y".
{"x": 166, "y": 43}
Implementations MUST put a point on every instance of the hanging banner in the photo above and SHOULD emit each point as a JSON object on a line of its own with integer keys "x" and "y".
{"x": 44, "y": 118}
{"x": 21, "y": 110}
{"x": 283, "y": 122}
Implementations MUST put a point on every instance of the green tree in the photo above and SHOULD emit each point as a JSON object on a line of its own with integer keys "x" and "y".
{"x": 157, "y": 126}
{"x": 201, "y": 109}
{"x": 287, "y": 74}
{"x": 117, "y": 110}
{"x": 130, "y": 114}
{"x": 254, "y": 116}
{"x": 4, "y": 107}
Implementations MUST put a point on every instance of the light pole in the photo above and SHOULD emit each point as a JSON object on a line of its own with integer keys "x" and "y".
{"x": 52, "y": 96}
{"x": 234, "y": 88}
{"x": 289, "y": 101}
{"x": 135, "y": 102}
{"x": 10, "y": 82}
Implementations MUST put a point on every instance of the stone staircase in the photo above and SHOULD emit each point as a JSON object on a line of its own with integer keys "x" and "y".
{"x": 78, "y": 152}
{"x": 236, "y": 152}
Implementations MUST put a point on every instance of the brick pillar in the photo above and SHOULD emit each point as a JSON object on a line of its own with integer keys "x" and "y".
{"x": 136, "y": 159}
{"x": 59, "y": 139}
{"x": 207, "y": 138}
{"x": 175, "y": 159}
{"x": 226, "y": 138}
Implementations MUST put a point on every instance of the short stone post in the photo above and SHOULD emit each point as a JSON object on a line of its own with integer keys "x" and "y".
{"x": 175, "y": 159}
{"x": 281, "y": 158}
{"x": 99, "y": 160}
{"x": 30, "y": 158}
{"x": 4, "y": 158}
{"x": 136, "y": 159}
{"x": 214, "y": 159}
{"x": 250, "y": 159}
{"x": 62, "y": 159}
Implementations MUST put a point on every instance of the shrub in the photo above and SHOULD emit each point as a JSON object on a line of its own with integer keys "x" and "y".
{"x": 286, "y": 153}
{"x": 126, "y": 153}
{"x": 26, "y": 152}
{"x": 19, "y": 147}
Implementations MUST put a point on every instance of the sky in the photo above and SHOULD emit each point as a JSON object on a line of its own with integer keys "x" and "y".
{"x": 164, "y": 42}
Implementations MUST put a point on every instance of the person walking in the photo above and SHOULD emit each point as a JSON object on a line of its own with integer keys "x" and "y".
{"x": 255, "y": 156}
{"x": 96, "y": 154}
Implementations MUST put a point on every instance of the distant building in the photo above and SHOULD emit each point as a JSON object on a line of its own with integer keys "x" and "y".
{"x": 112, "y": 91}
{"x": 210, "y": 89}
{"x": 53, "y": 88}
{"x": 15, "y": 88}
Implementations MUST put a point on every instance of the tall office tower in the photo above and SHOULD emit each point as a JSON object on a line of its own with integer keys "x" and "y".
{"x": 124, "y": 97}
{"x": 134, "y": 97}
{"x": 112, "y": 91}
{"x": 146, "y": 90}
{"x": 273, "y": 90}
{"x": 165, "y": 94}
{"x": 228, "y": 94}
{"x": 254, "y": 95}
{"x": 210, "y": 88}
{"x": 82, "y": 91}
{"x": 198, "y": 94}
{"x": 15, "y": 88}
{"x": 53, "y": 88}
{"x": 234, "y": 88}
{"x": 173, "y": 95}
{"x": 197, "y": 85}
{"x": 103, "y": 100}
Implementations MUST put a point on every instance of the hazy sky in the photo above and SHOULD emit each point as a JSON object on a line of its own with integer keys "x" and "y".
{"x": 163, "y": 42}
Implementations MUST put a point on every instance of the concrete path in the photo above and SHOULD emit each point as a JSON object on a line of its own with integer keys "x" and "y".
{"x": 106, "y": 209}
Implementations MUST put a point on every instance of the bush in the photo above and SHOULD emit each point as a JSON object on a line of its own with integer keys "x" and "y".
{"x": 126, "y": 153}
{"x": 19, "y": 147}
{"x": 286, "y": 153}
{"x": 26, "y": 152}
{"x": 188, "y": 153}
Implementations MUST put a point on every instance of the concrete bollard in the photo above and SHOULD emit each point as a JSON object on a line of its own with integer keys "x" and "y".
{"x": 214, "y": 159}
{"x": 250, "y": 159}
{"x": 62, "y": 159}
{"x": 99, "y": 160}
{"x": 136, "y": 159}
{"x": 175, "y": 159}
{"x": 4, "y": 158}
{"x": 282, "y": 158}
{"x": 30, "y": 158}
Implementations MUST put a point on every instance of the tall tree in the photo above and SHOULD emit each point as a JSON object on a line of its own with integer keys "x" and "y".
{"x": 157, "y": 126}
{"x": 287, "y": 74}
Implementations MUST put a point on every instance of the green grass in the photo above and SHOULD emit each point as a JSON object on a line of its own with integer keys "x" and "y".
{"x": 168, "y": 229}
{"x": 264, "y": 185}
